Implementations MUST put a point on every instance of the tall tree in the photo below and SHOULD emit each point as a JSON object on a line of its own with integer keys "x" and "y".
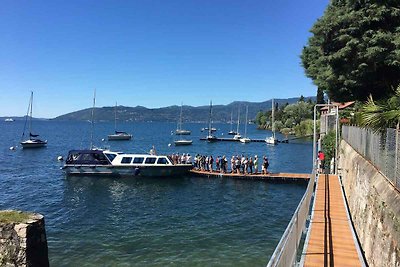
{"x": 355, "y": 49}
{"x": 320, "y": 96}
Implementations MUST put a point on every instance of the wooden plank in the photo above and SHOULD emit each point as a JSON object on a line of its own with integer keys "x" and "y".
{"x": 331, "y": 242}
{"x": 304, "y": 177}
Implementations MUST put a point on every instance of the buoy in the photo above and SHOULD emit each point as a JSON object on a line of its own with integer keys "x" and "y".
{"x": 103, "y": 140}
{"x": 12, "y": 148}
{"x": 60, "y": 158}
{"x": 169, "y": 144}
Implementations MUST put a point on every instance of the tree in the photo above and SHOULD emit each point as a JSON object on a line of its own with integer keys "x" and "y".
{"x": 381, "y": 114}
{"x": 299, "y": 111}
{"x": 355, "y": 49}
{"x": 320, "y": 96}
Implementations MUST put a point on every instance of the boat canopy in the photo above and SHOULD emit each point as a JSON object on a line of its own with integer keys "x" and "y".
{"x": 95, "y": 157}
{"x": 120, "y": 132}
{"x": 33, "y": 135}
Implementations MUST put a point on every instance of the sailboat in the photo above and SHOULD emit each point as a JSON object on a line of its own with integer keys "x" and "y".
{"x": 33, "y": 141}
{"x": 232, "y": 132}
{"x": 272, "y": 139}
{"x": 210, "y": 137}
{"x": 179, "y": 130}
{"x": 245, "y": 139}
{"x": 118, "y": 135}
{"x": 237, "y": 136}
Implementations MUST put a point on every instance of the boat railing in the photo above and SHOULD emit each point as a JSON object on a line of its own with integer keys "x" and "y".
{"x": 285, "y": 253}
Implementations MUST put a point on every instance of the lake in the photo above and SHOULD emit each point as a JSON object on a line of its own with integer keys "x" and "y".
{"x": 187, "y": 221}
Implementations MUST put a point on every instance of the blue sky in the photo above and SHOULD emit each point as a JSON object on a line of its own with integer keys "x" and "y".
{"x": 151, "y": 53}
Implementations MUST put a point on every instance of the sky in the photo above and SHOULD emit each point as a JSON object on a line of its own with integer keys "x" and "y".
{"x": 151, "y": 53}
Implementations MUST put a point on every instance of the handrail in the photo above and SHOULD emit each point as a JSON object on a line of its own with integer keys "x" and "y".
{"x": 286, "y": 251}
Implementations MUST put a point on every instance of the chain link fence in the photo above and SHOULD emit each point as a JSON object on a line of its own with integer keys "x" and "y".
{"x": 381, "y": 149}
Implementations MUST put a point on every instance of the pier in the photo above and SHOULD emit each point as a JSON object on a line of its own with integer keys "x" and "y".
{"x": 331, "y": 241}
{"x": 220, "y": 139}
{"x": 273, "y": 177}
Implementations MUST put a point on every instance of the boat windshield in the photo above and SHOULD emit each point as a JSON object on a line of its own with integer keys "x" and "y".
{"x": 162, "y": 161}
{"x": 87, "y": 157}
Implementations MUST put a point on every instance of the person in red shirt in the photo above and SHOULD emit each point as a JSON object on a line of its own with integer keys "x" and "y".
{"x": 321, "y": 159}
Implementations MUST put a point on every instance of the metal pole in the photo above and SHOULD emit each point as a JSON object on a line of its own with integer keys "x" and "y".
{"x": 337, "y": 138}
{"x": 315, "y": 138}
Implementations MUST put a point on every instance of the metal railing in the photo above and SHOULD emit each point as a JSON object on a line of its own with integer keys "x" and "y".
{"x": 381, "y": 149}
{"x": 286, "y": 251}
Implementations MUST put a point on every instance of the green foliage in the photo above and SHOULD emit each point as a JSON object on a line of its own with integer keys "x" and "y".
{"x": 328, "y": 146}
{"x": 381, "y": 114}
{"x": 289, "y": 117}
{"x": 11, "y": 216}
{"x": 305, "y": 127}
{"x": 355, "y": 49}
{"x": 299, "y": 111}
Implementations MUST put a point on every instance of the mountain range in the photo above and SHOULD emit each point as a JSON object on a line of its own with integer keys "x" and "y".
{"x": 220, "y": 113}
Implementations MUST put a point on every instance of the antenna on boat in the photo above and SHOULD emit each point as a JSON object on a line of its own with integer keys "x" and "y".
{"x": 91, "y": 133}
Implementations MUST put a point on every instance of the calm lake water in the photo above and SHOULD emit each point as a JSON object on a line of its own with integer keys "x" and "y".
{"x": 184, "y": 221}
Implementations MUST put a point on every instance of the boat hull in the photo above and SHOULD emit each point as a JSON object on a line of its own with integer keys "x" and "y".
{"x": 127, "y": 171}
{"x": 117, "y": 137}
{"x": 183, "y": 142}
{"x": 182, "y": 132}
{"x": 33, "y": 144}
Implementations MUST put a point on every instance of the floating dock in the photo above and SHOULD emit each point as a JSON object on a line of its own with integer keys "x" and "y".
{"x": 274, "y": 177}
{"x": 237, "y": 140}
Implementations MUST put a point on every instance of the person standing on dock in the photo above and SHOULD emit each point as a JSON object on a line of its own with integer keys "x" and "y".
{"x": 265, "y": 165}
{"x": 255, "y": 164}
{"x": 210, "y": 163}
{"x": 321, "y": 159}
{"x": 251, "y": 164}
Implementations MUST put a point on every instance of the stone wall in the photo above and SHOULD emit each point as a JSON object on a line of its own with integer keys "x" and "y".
{"x": 374, "y": 206}
{"x": 24, "y": 243}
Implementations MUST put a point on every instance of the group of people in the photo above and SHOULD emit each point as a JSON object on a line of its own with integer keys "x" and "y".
{"x": 238, "y": 164}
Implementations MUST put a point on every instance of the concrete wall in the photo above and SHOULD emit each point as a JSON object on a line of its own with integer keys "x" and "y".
{"x": 24, "y": 244}
{"x": 375, "y": 208}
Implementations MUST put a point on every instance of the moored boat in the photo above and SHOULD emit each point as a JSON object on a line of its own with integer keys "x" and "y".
{"x": 118, "y": 135}
{"x": 183, "y": 142}
{"x": 33, "y": 141}
{"x": 98, "y": 162}
{"x": 9, "y": 120}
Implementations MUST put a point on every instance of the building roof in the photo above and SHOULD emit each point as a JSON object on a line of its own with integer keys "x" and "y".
{"x": 341, "y": 105}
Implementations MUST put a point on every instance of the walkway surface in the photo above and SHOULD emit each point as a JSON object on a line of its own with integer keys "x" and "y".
{"x": 331, "y": 242}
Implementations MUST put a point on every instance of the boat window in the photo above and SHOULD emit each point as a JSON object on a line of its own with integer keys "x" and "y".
{"x": 138, "y": 160}
{"x": 111, "y": 157}
{"x": 150, "y": 160}
{"x": 162, "y": 161}
{"x": 126, "y": 160}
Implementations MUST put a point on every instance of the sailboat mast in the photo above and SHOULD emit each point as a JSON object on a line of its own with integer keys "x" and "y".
{"x": 30, "y": 115}
{"x": 231, "y": 120}
{"x": 91, "y": 132}
{"x": 180, "y": 118}
{"x": 115, "y": 117}
{"x": 273, "y": 118}
{"x": 238, "y": 121}
{"x": 245, "y": 125}
{"x": 209, "y": 122}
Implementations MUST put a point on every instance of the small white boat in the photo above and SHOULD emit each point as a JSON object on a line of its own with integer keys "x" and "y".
{"x": 210, "y": 137}
{"x": 98, "y": 162}
{"x": 183, "y": 142}
{"x": 237, "y": 136}
{"x": 118, "y": 135}
{"x": 33, "y": 141}
{"x": 9, "y": 120}
{"x": 245, "y": 140}
{"x": 271, "y": 140}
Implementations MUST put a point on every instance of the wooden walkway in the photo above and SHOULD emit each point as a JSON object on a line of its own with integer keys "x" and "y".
{"x": 274, "y": 177}
{"x": 331, "y": 242}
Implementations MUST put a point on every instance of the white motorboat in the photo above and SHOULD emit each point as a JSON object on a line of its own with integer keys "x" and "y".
{"x": 183, "y": 142}
{"x": 9, "y": 120}
{"x": 272, "y": 139}
{"x": 33, "y": 141}
{"x": 98, "y": 162}
{"x": 118, "y": 135}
